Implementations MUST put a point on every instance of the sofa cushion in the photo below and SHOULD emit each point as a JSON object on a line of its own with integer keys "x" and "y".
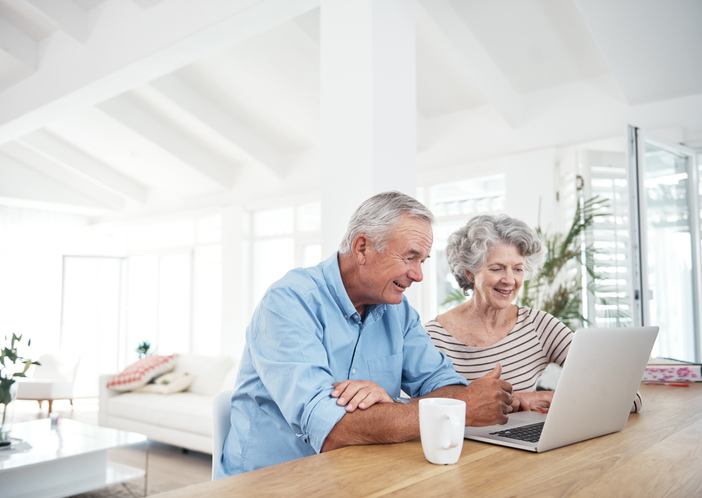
{"x": 209, "y": 371}
{"x": 169, "y": 383}
{"x": 142, "y": 371}
{"x": 184, "y": 411}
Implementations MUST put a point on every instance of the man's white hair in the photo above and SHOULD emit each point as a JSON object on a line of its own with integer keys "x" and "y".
{"x": 378, "y": 216}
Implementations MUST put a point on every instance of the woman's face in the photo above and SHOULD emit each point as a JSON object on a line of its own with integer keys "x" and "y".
{"x": 498, "y": 282}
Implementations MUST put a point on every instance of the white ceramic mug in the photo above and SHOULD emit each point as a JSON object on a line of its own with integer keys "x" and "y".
{"x": 441, "y": 426}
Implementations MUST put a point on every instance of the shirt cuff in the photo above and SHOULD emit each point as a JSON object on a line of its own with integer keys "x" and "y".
{"x": 325, "y": 415}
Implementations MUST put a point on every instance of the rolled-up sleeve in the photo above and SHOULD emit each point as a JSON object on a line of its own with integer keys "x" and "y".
{"x": 289, "y": 355}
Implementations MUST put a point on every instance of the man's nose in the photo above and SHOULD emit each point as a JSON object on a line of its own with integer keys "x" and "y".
{"x": 416, "y": 273}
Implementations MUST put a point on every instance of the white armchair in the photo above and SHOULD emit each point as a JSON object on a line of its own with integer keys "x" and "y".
{"x": 51, "y": 380}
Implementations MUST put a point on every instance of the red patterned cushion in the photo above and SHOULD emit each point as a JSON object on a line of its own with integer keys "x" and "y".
{"x": 140, "y": 373}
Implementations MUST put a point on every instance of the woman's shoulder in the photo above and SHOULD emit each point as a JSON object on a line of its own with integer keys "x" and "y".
{"x": 525, "y": 314}
{"x": 539, "y": 319}
{"x": 433, "y": 326}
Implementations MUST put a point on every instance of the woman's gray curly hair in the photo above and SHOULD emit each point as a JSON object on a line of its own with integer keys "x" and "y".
{"x": 378, "y": 216}
{"x": 468, "y": 247}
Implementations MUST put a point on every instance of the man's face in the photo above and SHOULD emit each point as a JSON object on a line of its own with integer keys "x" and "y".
{"x": 387, "y": 274}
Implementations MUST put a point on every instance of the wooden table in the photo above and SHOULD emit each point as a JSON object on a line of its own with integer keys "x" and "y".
{"x": 659, "y": 453}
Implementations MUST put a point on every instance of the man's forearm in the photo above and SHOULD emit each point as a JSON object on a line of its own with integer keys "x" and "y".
{"x": 381, "y": 423}
{"x": 444, "y": 392}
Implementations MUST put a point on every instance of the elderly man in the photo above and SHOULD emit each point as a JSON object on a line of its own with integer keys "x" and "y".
{"x": 330, "y": 347}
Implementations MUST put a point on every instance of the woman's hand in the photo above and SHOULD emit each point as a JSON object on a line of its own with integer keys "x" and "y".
{"x": 532, "y": 400}
{"x": 359, "y": 394}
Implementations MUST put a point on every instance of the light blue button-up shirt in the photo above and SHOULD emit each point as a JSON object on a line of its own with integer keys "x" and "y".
{"x": 304, "y": 335}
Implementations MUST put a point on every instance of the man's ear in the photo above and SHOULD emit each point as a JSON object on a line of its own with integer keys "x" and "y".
{"x": 360, "y": 248}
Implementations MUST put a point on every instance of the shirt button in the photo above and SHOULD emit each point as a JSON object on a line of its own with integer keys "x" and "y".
{"x": 346, "y": 317}
{"x": 353, "y": 371}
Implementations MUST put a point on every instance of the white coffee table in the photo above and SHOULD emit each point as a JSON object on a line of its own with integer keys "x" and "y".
{"x": 63, "y": 460}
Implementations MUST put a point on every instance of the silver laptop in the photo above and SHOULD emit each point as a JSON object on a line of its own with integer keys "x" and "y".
{"x": 594, "y": 396}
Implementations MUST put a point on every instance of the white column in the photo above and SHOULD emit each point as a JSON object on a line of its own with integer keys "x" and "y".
{"x": 368, "y": 106}
{"x": 235, "y": 280}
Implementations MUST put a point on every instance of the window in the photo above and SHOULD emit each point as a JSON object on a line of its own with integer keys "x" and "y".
{"x": 453, "y": 204}
{"x": 207, "y": 305}
{"x": 283, "y": 238}
{"x": 610, "y": 302}
{"x": 90, "y": 317}
{"x": 174, "y": 287}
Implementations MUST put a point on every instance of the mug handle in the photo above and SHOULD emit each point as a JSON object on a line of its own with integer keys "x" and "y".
{"x": 455, "y": 433}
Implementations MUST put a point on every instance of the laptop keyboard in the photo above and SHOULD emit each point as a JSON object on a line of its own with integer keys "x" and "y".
{"x": 530, "y": 433}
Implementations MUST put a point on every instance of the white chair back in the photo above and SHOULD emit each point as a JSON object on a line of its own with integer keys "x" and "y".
{"x": 57, "y": 366}
{"x": 221, "y": 422}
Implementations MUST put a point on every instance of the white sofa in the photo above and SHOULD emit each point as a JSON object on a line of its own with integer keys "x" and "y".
{"x": 182, "y": 419}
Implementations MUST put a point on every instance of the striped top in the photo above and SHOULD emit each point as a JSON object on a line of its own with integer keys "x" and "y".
{"x": 537, "y": 339}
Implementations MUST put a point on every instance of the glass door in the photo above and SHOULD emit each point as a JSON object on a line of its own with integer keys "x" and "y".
{"x": 665, "y": 196}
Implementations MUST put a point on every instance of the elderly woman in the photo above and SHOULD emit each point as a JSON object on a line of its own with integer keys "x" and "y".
{"x": 490, "y": 257}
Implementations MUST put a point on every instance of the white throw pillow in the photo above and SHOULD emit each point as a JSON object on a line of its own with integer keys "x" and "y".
{"x": 209, "y": 371}
{"x": 173, "y": 382}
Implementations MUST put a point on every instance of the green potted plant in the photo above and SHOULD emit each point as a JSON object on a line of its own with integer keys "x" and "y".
{"x": 143, "y": 349}
{"x": 8, "y": 387}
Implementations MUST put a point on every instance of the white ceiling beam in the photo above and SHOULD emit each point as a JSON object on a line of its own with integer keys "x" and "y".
{"x": 448, "y": 26}
{"x": 68, "y": 15}
{"x": 62, "y": 175}
{"x": 223, "y": 123}
{"x": 128, "y": 47}
{"x": 18, "y": 44}
{"x": 59, "y": 151}
{"x": 25, "y": 187}
{"x": 147, "y": 4}
{"x": 169, "y": 139}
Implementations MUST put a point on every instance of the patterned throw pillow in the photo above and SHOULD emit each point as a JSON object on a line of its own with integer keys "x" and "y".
{"x": 172, "y": 382}
{"x": 139, "y": 373}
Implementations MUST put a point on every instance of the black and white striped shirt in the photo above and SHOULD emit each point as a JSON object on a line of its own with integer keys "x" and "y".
{"x": 536, "y": 340}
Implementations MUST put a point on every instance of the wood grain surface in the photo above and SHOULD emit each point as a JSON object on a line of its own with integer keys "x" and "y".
{"x": 659, "y": 453}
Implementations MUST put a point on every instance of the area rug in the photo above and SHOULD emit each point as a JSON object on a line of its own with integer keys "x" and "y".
{"x": 132, "y": 489}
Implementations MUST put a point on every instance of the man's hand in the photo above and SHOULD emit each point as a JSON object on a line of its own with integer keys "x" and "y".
{"x": 359, "y": 394}
{"x": 488, "y": 399}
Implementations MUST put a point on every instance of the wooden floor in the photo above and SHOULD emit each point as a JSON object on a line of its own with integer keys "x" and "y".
{"x": 169, "y": 467}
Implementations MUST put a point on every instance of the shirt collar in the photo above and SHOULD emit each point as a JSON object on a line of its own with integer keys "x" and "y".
{"x": 332, "y": 276}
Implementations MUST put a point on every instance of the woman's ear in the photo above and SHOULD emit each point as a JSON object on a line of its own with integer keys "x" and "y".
{"x": 469, "y": 276}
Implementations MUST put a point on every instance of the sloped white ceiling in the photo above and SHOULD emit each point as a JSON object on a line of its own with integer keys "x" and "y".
{"x": 116, "y": 107}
